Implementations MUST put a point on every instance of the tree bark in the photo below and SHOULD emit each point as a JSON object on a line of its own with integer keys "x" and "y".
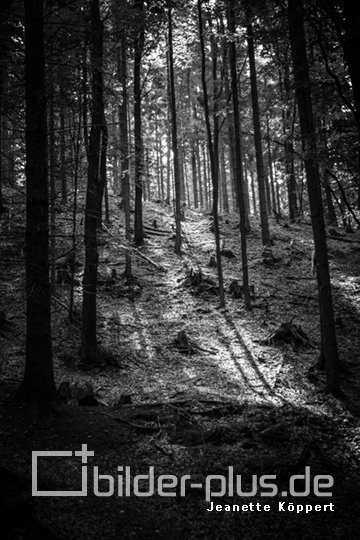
{"x": 139, "y": 157}
{"x": 288, "y": 128}
{"x": 271, "y": 174}
{"x": 258, "y": 144}
{"x": 212, "y": 145}
{"x": 307, "y": 126}
{"x": 2, "y": 78}
{"x": 238, "y": 159}
{"x": 175, "y": 146}
{"x": 124, "y": 148}
{"x": 94, "y": 194}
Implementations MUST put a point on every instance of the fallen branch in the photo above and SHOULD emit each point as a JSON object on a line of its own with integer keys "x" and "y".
{"x": 299, "y": 277}
{"x": 341, "y": 239}
{"x": 149, "y": 429}
{"x": 134, "y": 251}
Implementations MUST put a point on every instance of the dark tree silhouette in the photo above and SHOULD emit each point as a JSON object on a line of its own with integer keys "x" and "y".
{"x": 213, "y": 145}
{"x": 238, "y": 158}
{"x": 38, "y": 386}
{"x": 94, "y": 193}
{"x": 175, "y": 146}
{"x": 138, "y": 51}
{"x": 124, "y": 146}
{"x": 264, "y": 220}
{"x": 329, "y": 348}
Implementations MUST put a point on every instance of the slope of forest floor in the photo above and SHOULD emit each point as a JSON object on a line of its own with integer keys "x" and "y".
{"x": 188, "y": 388}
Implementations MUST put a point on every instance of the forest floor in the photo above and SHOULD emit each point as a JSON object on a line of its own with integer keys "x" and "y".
{"x": 189, "y": 389}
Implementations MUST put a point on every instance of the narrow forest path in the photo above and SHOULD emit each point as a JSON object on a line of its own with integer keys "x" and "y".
{"x": 227, "y": 365}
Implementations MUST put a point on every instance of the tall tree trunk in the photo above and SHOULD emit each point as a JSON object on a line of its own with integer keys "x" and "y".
{"x": 103, "y": 175}
{"x": 2, "y": 78}
{"x": 63, "y": 156}
{"x": 238, "y": 158}
{"x": 124, "y": 147}
{"x": 253, "y": 190}
{"x": 206, "y": 198}
{"x": 52, "y": 176}
{"x": 288, "y": 128}
{"x": 194, "y": 177}
{"x": 307, "y": 126}
{"x": 212, "y": 145}
{"x": 94, "y": 193}
{"x": 258, "y": 144}
{"x": 198, "y": 164}
{"x": 77, "y": 142}
{"x": 271, "y": 174}
{"x": 168, "y": 167}
{"x": 225, "y": 197}
{"x": 194, "y": 143}
{"x": 175, "y": 146}
{"x": 85, "y": 96}
{"x": 139, "y": 157}
{"x": 38, "y": 386}
{"x": 157, "y": 160}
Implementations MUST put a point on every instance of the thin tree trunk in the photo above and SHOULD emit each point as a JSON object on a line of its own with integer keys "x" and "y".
{"x": 203, "y": 152}
{"x": 238, "y": 158}
{"x": 139, "y": 158}
{"x": 303, "y": 95}
{"x": 212, "y": 144}
{"x": 194, "y": 178}
{"x": 63, "y": 156}
{"x": 52, "y": 162}
{"x": 124, "y": 148}
{"x": 76, "y": 151}
{"x": 94, "y": 194}
{"x": 198, "y": 164}
{"x": 253, "y": 190}
{"x": 85, "y": 97}
{"x": 225, "y": 197}
{"x": 258, "y": 144}
{"x": 157, "y": 154}
{"x": 175, "y": 146}
{"x": 272, "y": 185}
{"x": 168, "y": 168}
{"x": 288, "y": 127}
{"x": 2, "y": 78}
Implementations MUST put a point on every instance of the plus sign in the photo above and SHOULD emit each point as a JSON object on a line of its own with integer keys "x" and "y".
{"x": 84, "y": 453}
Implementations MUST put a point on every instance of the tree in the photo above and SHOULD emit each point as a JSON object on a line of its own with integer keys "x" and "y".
{"x": 238, "y": 158}
{"x": 138, "y": 51}
{"x": 212, "y": 143}
{"x": 94, "y": 193}
{"x": 288, "y": 127}
{"x": 258, "y": 143}
{"x": 302, "y": 81}
{"x": 124, "y": 147}
{"x": 38, "y": 386}
{"x": 175, "y": 146}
